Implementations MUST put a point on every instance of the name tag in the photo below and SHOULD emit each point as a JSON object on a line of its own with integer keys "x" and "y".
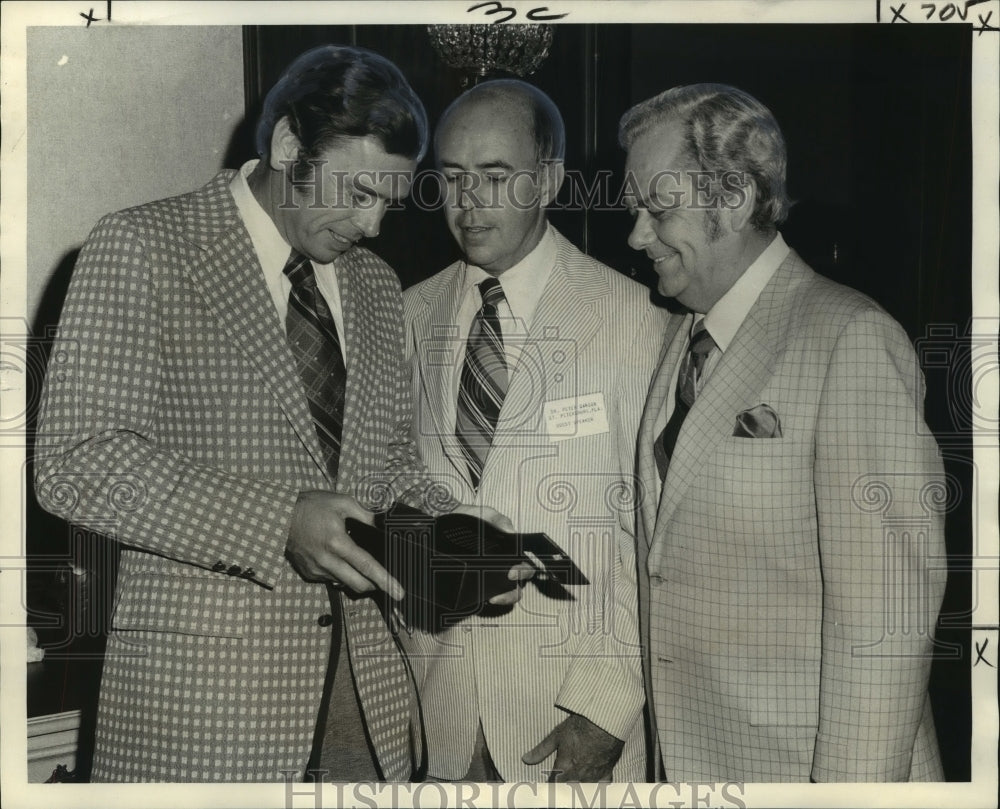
{"x": 576, "y": 417}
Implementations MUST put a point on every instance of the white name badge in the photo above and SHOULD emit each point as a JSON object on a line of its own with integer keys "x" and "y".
{"x": 576, "y": 417}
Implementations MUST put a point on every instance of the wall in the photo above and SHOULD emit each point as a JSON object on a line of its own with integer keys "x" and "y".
{"x": 118, "y": 116}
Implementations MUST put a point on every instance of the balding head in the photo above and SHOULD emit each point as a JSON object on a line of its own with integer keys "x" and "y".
{"x": 517, "y": 101}
{"x": 499, "y": 148}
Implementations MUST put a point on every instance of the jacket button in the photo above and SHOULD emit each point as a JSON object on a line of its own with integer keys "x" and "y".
{"x": 219, "y": 566}
{"x": 325, "y": 620}
{"x": 249, "y": 573}
{"x": 234, "y": 570}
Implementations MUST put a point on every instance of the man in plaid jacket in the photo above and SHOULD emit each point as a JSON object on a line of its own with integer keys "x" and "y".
{"x": 184, "y": 430}
{"x": 794, "y": 501}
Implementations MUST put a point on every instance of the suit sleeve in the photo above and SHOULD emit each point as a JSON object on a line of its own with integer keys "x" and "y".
{"x": 605, "y": 682}
{"x": 878, "y": 477}
{"x": 99, "y": 462}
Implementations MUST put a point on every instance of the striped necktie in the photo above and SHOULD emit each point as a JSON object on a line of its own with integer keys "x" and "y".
{"x": 483, "y": 383}
{"x": 312, "y": 335}
{"x": 700, "y": 347}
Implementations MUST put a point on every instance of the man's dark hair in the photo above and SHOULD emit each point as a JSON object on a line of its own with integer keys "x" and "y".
{"x": 334, "y": 92}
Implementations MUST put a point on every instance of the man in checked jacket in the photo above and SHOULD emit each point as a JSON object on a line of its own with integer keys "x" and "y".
{"x": 226, "y": 456}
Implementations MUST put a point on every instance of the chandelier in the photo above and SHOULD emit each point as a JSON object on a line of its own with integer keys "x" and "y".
{"x": 479, "y": 50}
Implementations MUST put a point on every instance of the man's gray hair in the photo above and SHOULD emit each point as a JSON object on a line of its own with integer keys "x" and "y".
{"x": 726, "y": 130}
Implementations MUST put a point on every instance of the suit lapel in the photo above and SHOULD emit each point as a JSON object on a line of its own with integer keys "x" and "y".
{"x": 659, "y": 389}
{"x": 563, "y": 325}
{"x": 370, "y": 351}
{"x": 740, "y": 373}
{"x": 735, "y": 384}
{"x": 437, "y": 353}
{"x": 229, "y": 276}
{"x": 359, "y": 323}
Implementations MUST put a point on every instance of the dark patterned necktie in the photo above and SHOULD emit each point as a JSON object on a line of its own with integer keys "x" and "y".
{"x": 312, "y": 335}
{"x": 483, "y": 383}
{"x": 698, "y": 351}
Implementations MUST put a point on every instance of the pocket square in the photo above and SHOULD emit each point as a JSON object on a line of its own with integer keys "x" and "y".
{"x": 759, "y": 421}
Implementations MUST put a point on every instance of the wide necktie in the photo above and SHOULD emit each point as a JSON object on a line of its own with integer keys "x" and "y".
{"x": 312, "y": 335}
{"x": 483, "y": 383}
{"x": 700, "y": 347}
{"x": 381, "y": 677}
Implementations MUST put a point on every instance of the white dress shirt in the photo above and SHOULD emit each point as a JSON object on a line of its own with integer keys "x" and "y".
{"x": 522, "y": 287}
{"x": 273, "y": 252}
{"x": 725, "y": 318}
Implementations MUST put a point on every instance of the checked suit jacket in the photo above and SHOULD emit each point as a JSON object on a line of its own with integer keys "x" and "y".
{"x": 593, "y": 332}
{"x": 789, "y": 586}
{"x": 173, "y": 419}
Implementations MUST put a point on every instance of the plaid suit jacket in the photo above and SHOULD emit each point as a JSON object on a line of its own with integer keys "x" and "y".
{"x": 593, "y": 332}
{"x": 789, "y": 586}
{"x": 173, "y": 420}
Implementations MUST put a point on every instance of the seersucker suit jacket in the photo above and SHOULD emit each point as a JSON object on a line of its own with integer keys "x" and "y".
{"x": 594, "y": 335}
{"x": 789, "y": 586}
{"x": 174, "y": 420}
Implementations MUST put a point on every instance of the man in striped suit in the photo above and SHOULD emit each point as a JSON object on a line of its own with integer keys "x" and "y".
{"x": 530, "y": 362}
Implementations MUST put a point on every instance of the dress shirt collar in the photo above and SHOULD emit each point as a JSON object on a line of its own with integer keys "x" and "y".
{"x": 725, "y": 318}
{"x": 523, "y": 283}
{"x": 272, "y": 249}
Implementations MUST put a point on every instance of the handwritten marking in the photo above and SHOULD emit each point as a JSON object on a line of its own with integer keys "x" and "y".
{"x": 537, "y": 15}
{"x": 89, "y": 16}
{"x": 496, "y": 8}
{"x": 984, "y": 25}
{"x": 897, "y": 13}
{"x": 955, "y": 11}
{"x": 980, "y": 651}
{"x": 492, "y": 7}
{"x": 946, "y": 13}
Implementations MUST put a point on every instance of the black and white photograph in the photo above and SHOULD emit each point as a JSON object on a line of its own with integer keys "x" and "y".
{"x": 558, "y": 404}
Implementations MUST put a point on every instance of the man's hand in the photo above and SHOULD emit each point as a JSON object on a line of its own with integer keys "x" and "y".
{"x": 489, "y": 515}
{"x": 584, "y": 752}
{"x": 320, "y": 549}
{"x": 519, "y": 573}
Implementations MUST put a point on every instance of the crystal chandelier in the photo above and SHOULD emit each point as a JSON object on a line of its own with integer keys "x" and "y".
{"x": 480, "y": 50}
